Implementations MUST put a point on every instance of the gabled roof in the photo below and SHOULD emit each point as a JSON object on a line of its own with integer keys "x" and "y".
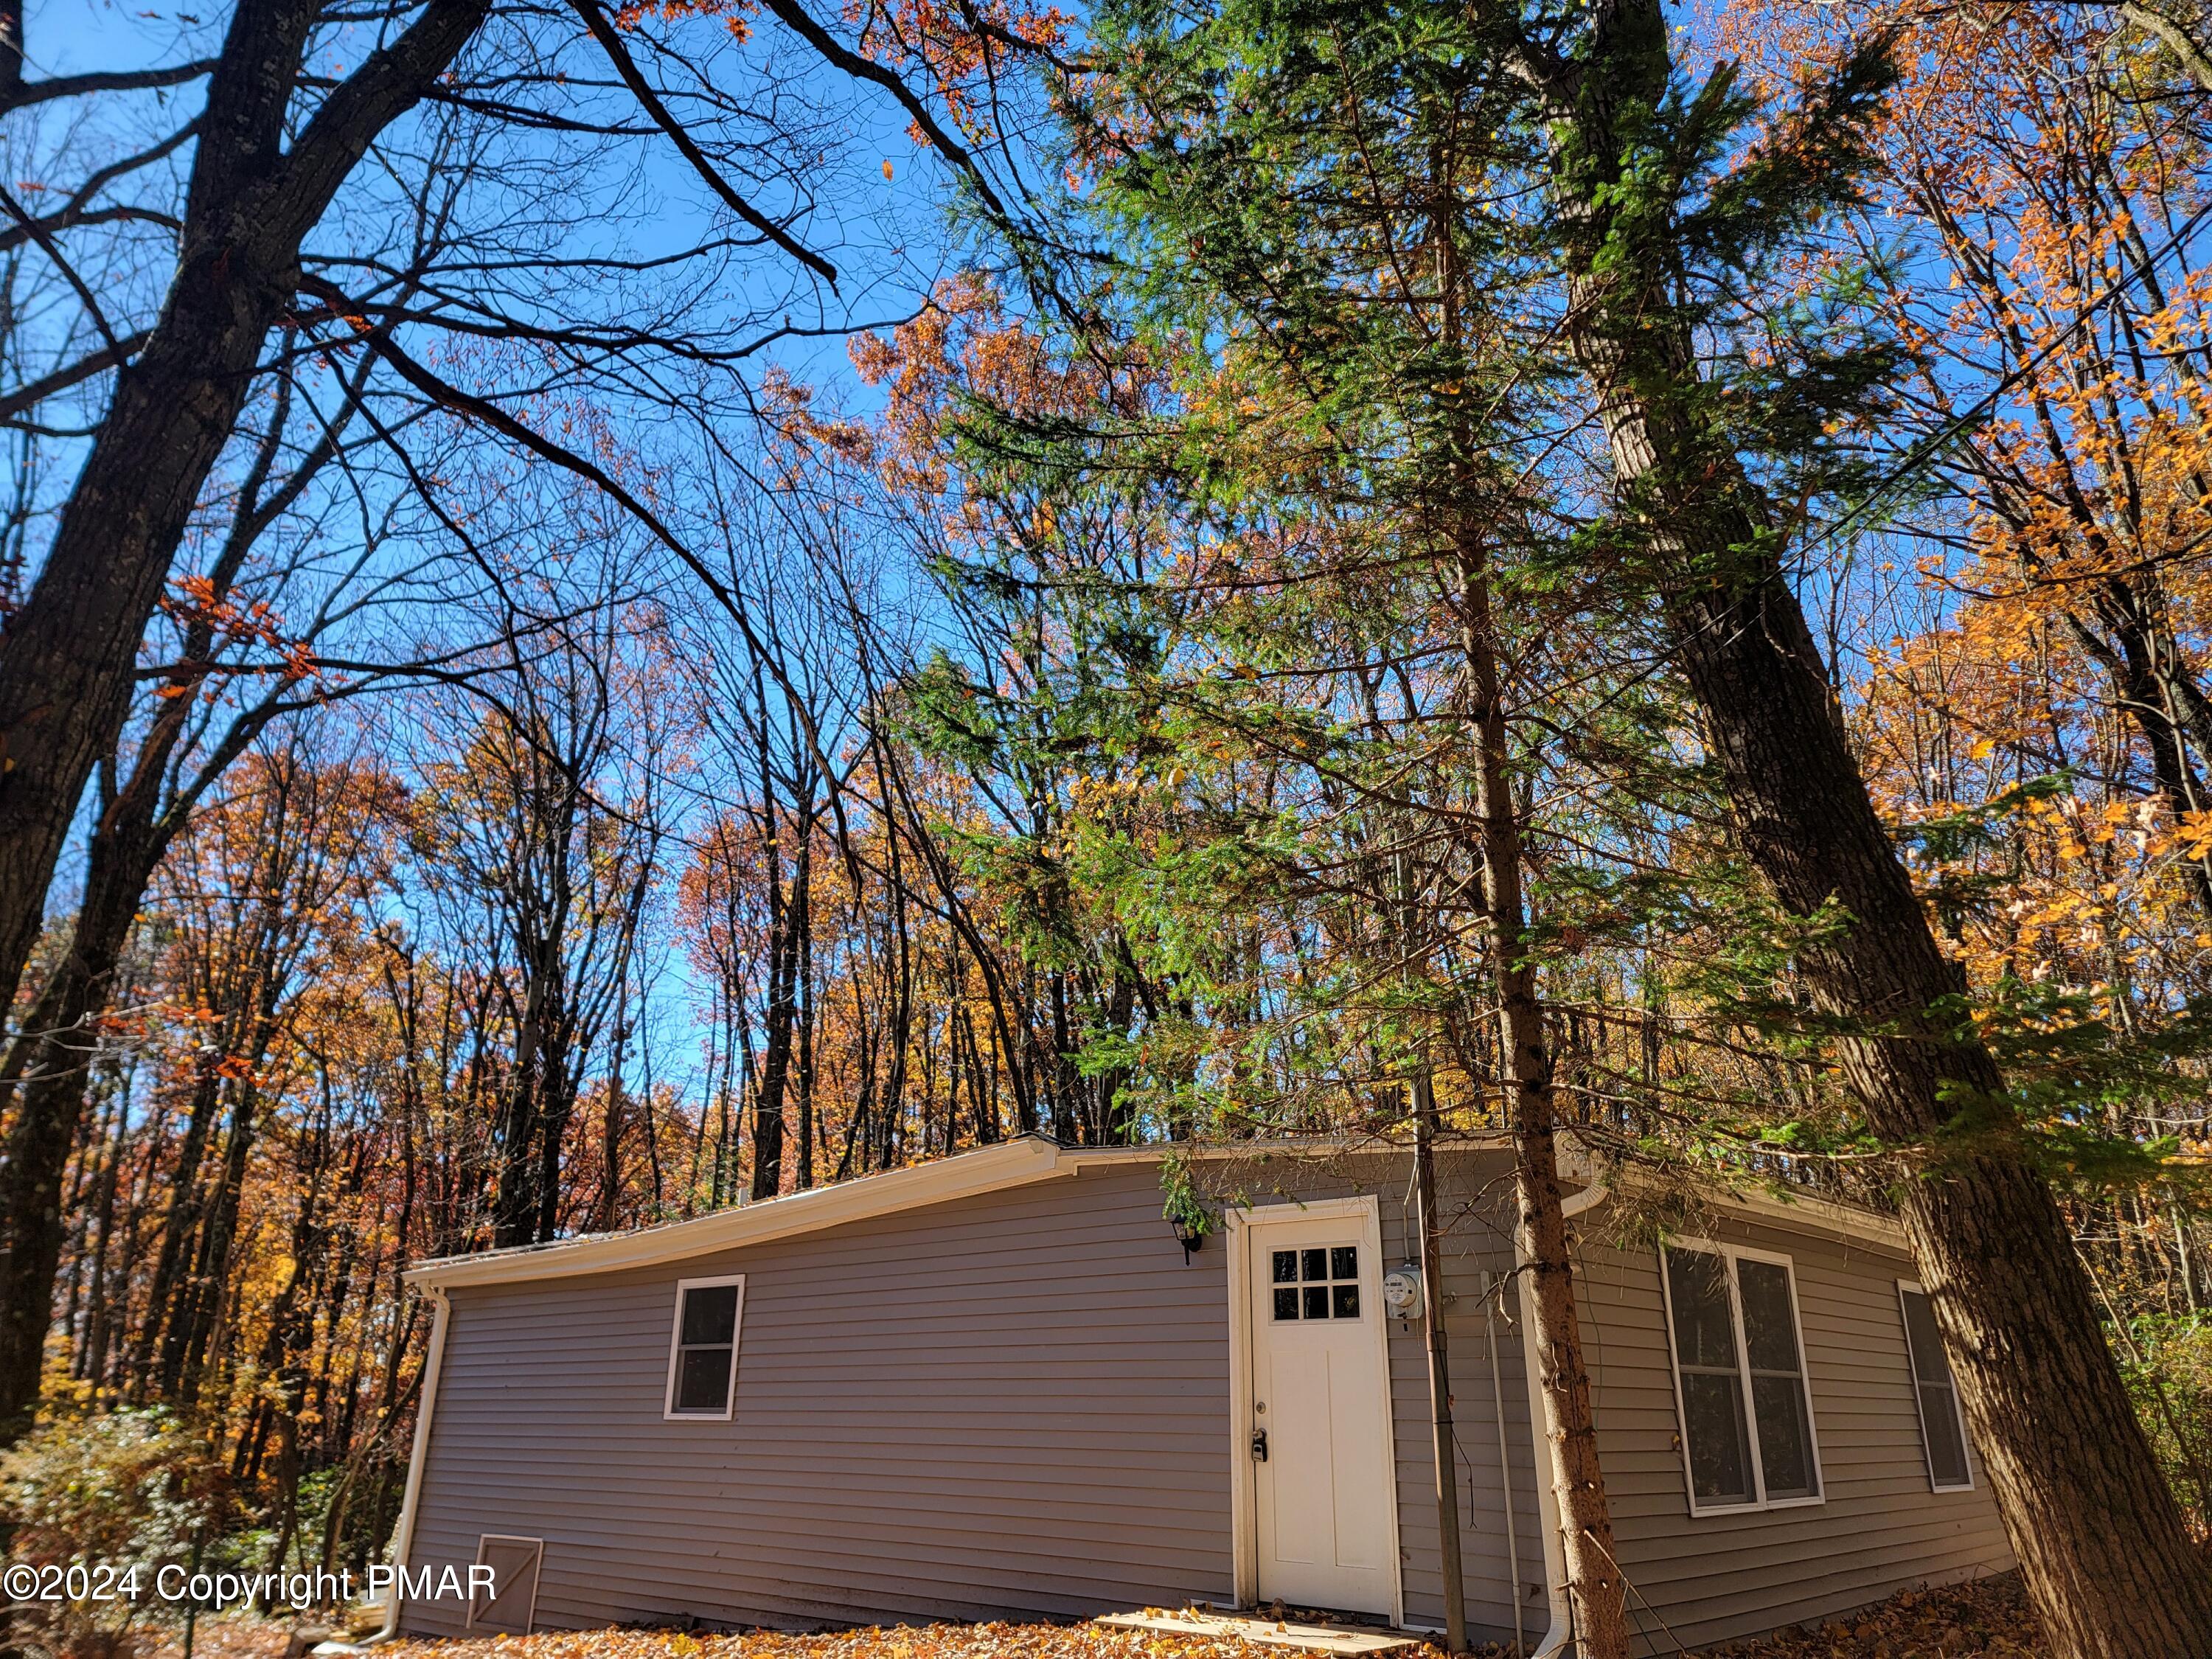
{"x": 1015, "y": 1163}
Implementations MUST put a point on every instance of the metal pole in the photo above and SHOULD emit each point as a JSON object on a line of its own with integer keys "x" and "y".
{"x": 1440, "y": 1402}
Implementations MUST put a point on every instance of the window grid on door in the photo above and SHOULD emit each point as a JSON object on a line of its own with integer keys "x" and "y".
{"x": 1315, "y": 1281}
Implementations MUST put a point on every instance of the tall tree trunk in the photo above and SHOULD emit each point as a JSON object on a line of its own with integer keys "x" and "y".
{"x": 557, "y": 1104}
{"x": 2098, "y": 1535}
{"x": 781, "y": 1015}
{"x": 1539, "y": 1234}
{"x": 45, "y": 1069}
{"x": 190, "y": 1343}
{"x": 179, "y": 1228}
{"x": 68, "y": 658}
{"x": 514, "y": 1197}
{"x": 46, "y": 1064}
{"x": 802, "y": 900}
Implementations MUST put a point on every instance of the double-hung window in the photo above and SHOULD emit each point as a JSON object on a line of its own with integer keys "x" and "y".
{"x": 1942, "y": 1428}
{"x": 702, "y": 1351}
{"x": 1746, "y": 1413}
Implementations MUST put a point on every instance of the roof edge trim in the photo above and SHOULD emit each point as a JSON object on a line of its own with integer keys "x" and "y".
{"x": 1014, "y": 1164}
{"x": 1010, "y": 1163}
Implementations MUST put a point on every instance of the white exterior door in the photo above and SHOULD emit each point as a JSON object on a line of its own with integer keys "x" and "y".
{"x": 1323, "y": 1487}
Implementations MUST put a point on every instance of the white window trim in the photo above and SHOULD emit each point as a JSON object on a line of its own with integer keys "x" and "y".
{"x": 1733, "y": 1253}
{"x": 683, "y": 1287}
{"x": 1920, "y": 1411}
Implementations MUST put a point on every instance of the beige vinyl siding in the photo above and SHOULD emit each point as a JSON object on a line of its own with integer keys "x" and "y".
{"x": 1009, "y": 1405}
{"x": 1471, "y": 1248}
{"x": 1717, "y": 1578}
{"x": 951, "y": 1412}
{"x": 1476, "y": 1241}
{"x": 1017, "y": 1404}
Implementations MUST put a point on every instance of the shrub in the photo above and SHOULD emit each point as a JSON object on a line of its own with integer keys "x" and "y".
{"x": 128, "y": 1489}
{"x": 2167, "y": 1363}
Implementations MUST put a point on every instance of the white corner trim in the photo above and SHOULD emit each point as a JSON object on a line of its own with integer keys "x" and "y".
{"x": 1243, "y": 1530}
{"x": 1010, "y": 1163}
{"x": 403, "y": 1534}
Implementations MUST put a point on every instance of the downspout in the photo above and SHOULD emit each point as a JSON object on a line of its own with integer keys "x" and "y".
{"x": 1547, "y": 1498}
{"x": 403, "y": 1535}
{"x": 1491, "y": 1308}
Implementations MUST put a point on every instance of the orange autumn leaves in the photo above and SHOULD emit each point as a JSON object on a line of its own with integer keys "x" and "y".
{"x": 2038, "y": 674}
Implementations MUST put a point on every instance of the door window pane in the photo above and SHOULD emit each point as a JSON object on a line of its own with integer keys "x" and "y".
{"x": 1315, "y": 1282}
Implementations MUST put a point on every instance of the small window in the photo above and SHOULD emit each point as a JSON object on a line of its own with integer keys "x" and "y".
{"x": 702, "y": 1354}
{"x": 1943, "y": 1425}
{"x": 1320, "y": 1283}
{"x": 1746, "y": 1413}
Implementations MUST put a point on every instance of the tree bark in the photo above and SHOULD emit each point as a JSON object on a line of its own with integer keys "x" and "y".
{"x": 2098, "y": 1535}
{"x": 1540, "y": 1234}
{"x": 2100, "y": 1541}
{"x": 46, "y": 1064}
{"x": 67, "y": 659}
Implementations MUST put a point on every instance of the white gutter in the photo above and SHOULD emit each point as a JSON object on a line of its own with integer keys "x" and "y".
{"x": 1547, "y": 1496}
{"x": 403, "y": 1535}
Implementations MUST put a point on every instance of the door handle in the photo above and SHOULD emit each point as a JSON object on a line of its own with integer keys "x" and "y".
{"x": 1259, "y": 1444}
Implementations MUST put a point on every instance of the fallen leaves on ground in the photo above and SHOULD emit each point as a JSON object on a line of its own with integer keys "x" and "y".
{"x": 902, "y": 1642}
{"x": 225, "y": 1637}
{"x": 1989, "y": 1617}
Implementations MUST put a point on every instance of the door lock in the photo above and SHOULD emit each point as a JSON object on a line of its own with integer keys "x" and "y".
{"x": 1259, "y": 1444}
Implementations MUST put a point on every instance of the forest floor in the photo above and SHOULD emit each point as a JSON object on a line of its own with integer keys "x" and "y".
{"x": 1988, "y": 1618}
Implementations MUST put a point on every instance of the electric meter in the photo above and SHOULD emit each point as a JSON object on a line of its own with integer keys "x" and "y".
{"x": 1401, "y": 1292}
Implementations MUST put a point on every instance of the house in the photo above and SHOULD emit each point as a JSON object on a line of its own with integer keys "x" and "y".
{"x": 997, "y": 1385}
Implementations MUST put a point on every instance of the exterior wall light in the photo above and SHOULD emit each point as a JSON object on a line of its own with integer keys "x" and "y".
{"x": 1190, "y": 1235}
